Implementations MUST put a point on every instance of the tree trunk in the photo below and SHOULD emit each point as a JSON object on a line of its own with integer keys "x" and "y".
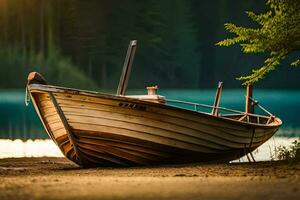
{"x": 103, "y": 75}
{"x": 22, "y": 25}
{"x": 42, "y": 26}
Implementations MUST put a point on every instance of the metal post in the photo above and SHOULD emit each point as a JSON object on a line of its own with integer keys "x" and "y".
{"x": 127, "y": 68}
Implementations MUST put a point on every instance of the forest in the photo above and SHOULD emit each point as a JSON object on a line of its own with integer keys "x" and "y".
{"x": 83, "y": 43}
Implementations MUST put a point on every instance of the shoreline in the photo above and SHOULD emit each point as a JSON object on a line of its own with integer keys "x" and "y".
{"x": 46, "y": 147}
{"x": 58, "y": 178}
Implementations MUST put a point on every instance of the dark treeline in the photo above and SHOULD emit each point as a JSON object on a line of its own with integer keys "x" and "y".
{"x": 83, "y": 43}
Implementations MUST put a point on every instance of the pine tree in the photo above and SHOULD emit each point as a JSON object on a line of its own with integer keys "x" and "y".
{"x": 180, "y": 59}
{"x": 278, "y": 34}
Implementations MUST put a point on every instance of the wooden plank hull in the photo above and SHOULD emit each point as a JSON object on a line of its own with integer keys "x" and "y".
{"x": 105, "y": 130}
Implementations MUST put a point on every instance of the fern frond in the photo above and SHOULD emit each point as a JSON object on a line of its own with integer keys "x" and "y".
{"x": 296, "y": 63}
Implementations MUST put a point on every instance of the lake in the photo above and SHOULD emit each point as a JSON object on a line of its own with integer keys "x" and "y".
{"x": 20, "y": 122}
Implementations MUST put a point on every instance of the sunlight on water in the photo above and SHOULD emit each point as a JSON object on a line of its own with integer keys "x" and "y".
{"x": 28, "y": 148}
{"x": 40, "y": 148}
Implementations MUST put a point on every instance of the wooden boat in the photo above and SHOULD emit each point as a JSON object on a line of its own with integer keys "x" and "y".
{"x": 97, "y": 129}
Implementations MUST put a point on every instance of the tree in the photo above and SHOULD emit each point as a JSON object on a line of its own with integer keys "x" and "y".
{"x": 278, "y": 34}
{"x": 175, "y": 47}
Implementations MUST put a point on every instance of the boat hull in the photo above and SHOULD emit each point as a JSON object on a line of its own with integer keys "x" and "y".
{"x": 94, "y": 129}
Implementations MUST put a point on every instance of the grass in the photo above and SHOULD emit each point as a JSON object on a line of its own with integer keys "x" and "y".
{"x": 289, "y": 154}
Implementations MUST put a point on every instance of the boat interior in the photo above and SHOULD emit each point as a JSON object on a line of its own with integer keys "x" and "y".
{"x": 248, "y": 116}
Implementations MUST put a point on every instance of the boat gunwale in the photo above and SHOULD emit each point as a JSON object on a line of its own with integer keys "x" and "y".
{"x": 59, "y": 89}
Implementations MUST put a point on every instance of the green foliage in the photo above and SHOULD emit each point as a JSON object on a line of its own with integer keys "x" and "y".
{"x": 95, "y": 35}
{"x": 58, "y": 70}
{"x": 29, "y": 42}
{"x": 290, "y": 154}
{"x": 179, "y": 59}
{"x": 175, "y": 40}
{"x": 277, "y": 34}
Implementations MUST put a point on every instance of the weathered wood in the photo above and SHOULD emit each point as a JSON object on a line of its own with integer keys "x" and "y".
{"x": 144, "y": 152}
{"x": 107, "y": 133}
{"x": 36, "y": 78}
{"x": 67, "y": 128}
{"x": 215, "y": 109}
{"x": 152, "y": 90}
{"x": 243, "y": 117}
{"x": 249, "y": 107}
{"x": 171, "y": 118}
{"x": 50, "y": 116}
{"x": 94, "y": 96}
{"x": 41, "y": 115}
{"x": 150, "y": 98}
{"x": 127, "y": 68}
{"x": 178, "y": 126}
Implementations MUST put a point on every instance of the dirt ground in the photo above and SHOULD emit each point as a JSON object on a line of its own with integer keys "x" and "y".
{"x": 58, "y": 178}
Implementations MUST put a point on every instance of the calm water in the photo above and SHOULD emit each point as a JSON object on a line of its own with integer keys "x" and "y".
{"x": 20, "y": 122}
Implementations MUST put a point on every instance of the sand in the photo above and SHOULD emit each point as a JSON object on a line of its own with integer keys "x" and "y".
{"x": 58, "y": 178}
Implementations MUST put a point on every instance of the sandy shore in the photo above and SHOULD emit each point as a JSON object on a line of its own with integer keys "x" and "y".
{"x": 57, "y": 178}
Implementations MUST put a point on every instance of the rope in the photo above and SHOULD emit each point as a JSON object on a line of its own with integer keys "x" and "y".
{"x": 256, "y": 103}
{"x": 250, "y": 145}
{"x": 246, "y": 154}
{"x": 252, "y": 157}
{"x": 27, "y": 96}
